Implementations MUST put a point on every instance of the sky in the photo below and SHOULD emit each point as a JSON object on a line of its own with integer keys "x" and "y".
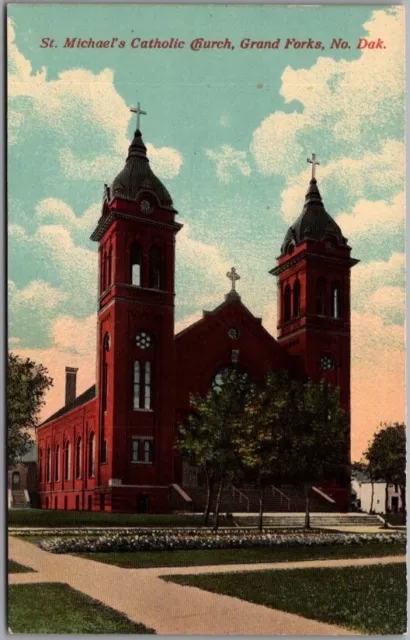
{"x": 228, "y": 131}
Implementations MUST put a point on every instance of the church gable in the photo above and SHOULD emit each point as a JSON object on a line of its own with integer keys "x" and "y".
{"x": 230, "y": 335}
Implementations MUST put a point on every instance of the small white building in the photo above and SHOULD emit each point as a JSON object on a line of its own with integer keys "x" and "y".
{"x": 371, "y": 497}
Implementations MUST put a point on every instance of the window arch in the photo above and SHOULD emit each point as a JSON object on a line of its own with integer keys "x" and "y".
{"x": 91, "y": 456}
{"x": 78, "y": 458}
{"x": 136, "y": 264}
{"x": 321, "y": 296}
{"x": 286, "y": 303}
{"x": 67, "y": 460}
{"x": 336, "y": 300}
{"x": 296, "y": 299}
{"x": 155, "y": 276}
{"x": 48, "y": 465}
{"x": 57, "y": 464}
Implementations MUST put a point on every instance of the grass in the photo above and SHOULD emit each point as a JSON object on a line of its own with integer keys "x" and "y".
{"x": 369, "y": 599}
{"x": 51, "y": 518}
{"x": 15, "y": 567}
{"x": 57, "y": 608}
{"x": 194, "y": 558}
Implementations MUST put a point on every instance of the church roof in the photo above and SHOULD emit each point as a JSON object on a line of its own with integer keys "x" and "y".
{"x": 314, "y": 223}
{"x": 137, "y": 175}
{"x": 88, "y": 395}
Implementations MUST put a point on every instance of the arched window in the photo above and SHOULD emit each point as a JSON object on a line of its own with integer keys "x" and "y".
{"x": 155, "y": 268}
{"x": 78, "y": 456}
{"x": 40, "y": 465}
{"x": 57, "y": 464}
{"x": 148, "y": 450}
{"x": 286, "y": 304}
{"x": 136, "y": 265}
{"x": 336, "y": 300}
{"x": 91, "y": 456}
{"x": 109, "y": 267}
{"x": 321, "y": 297}
{"x": 147, "y": 398}
{"x": 67, "y": 461}
{"x": 104, "y": 381}
{"x": 48, "y": 465}
{"x": 137, "y": 384}
{"x": 104, "y": 451}
{"x": 296, "y": 299}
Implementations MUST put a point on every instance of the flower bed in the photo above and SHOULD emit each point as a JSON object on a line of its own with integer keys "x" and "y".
{"x": 160, "y": 540}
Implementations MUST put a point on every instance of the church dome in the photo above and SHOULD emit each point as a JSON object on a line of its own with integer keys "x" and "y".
{"x": 137, "y": 176}
{"x": 314, "y": 223}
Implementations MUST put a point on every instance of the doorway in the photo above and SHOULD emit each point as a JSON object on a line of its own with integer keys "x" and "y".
{"x": 15, "y": 480}
{"x": 395, "y": 504}
{"x": 142, "y": 503}
{"x": 90, "y": 503}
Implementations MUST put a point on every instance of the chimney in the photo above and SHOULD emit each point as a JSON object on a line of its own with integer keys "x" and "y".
{"x": 70, "y": 385}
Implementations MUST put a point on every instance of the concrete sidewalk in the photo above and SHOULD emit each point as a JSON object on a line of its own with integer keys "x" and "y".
{"x": 174, "y": 609}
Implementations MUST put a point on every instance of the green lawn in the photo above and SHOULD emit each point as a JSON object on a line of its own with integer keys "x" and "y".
{"x": 15, "y": 567}
{"x": 370, "y": 599}
{"x": 143, "y": 559}
{"x": 57, "y": 608}
{"x": 50, "y": 518}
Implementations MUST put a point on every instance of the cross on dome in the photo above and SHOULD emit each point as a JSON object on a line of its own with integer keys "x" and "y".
{"x": 233, "y": 276}
{"x": 139, "y": 113}
{"x": 314, "y": 165}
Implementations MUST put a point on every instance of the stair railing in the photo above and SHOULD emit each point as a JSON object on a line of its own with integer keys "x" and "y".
{"x": 283, "y": 496}
{"x": 242, "y": 496}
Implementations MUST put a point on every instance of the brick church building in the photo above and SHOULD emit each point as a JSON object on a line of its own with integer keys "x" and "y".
{"x": 112, "y": 447}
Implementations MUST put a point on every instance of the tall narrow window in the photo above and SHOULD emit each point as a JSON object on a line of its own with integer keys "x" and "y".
{"x": 48, "y": 468}
{"x": 135, "y": 450}
{"x": 91, "y": 456}
{"x": 286, "y": 304}
{"x": 148, "y": 449}
{"x": 40, "y": 466}
{"x": 105, "y": 386}
{"x": 137, "y": 384}
{"x": 104, "y": 451}
{"x": 296, "y": 299}
{"x": 155, "y": 267}
{"x": 67, "y": 461}
{"x": 336, "y": 310}
{"x": 136, "y": 267}
{"x": 147, "y": 399}
{"x": 57, "y": 464}
{"x": 78, "y": 458}
{"x": 109, "y": 259}
{"x": 321, "y": 297}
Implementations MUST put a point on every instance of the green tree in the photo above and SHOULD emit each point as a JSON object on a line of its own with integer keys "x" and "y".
{"x": 27, "y": 383}
{"x": 386, "y": 455}
{"x": 319, "y": 438}
{"x": 264, "y": 441}
{"x": 211, "y": 434}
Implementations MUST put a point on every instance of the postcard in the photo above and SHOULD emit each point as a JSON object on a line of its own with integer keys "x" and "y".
{"x": 206, "y": 298}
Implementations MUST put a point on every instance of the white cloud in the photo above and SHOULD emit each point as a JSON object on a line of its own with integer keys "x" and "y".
{"x": 75, "y": 336}
{"x": 346, "y": 97}
{"x": 227, "y": 159}
{"x": 389, "y": 303}
{"x": 372, "y": 219}
{"x": 206, "y": 258}
{"x": 166, "y": 162}
{"x": 60, "y": 213}
{"x": 37, "y": 295}
{"x": 367, "y": 277}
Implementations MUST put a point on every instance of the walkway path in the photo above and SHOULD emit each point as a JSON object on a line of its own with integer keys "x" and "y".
{"x": 170, "y": 608}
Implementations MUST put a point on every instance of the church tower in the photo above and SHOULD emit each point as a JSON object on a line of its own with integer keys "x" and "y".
{"x": 314, "y": 294}
{"x": 136, "y": 355}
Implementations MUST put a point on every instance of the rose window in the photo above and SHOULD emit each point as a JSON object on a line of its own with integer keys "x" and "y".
{"x": 143, "y": 340}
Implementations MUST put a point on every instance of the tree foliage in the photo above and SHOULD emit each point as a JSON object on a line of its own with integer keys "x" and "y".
{"x": 27, "y": 383}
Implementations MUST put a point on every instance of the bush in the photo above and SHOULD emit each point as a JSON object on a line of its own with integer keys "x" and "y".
{"x": 160, "y": 540}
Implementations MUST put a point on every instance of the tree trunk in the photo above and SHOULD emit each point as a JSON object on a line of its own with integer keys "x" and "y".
{"x": 403, "y": 498}
{"x": 218, "y": 504}
{"x": 307, "y": 510}
{"x": 386, "y": 499}
{"x": 209, "y": 495}
{"x": 261, "y": 505}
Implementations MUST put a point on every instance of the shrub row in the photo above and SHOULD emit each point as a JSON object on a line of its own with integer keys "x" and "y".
{"x": 188, "y": 540}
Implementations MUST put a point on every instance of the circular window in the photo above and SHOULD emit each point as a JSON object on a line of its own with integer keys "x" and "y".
{"x": 143, "y": 340}
{"x": 233, "y": 333}
{"x": 327, "y": 363}
{"x": 145, "y": 206}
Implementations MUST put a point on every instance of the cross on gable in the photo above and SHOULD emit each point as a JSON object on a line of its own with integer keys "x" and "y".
{"x": 233, "y": 276}
{"x": 314, "y": 164}
{"x": 139, "y": 113}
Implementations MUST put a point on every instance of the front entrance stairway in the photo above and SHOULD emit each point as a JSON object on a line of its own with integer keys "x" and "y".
{"x": 288, "y": 499}
{"x": 18, "y": 499}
